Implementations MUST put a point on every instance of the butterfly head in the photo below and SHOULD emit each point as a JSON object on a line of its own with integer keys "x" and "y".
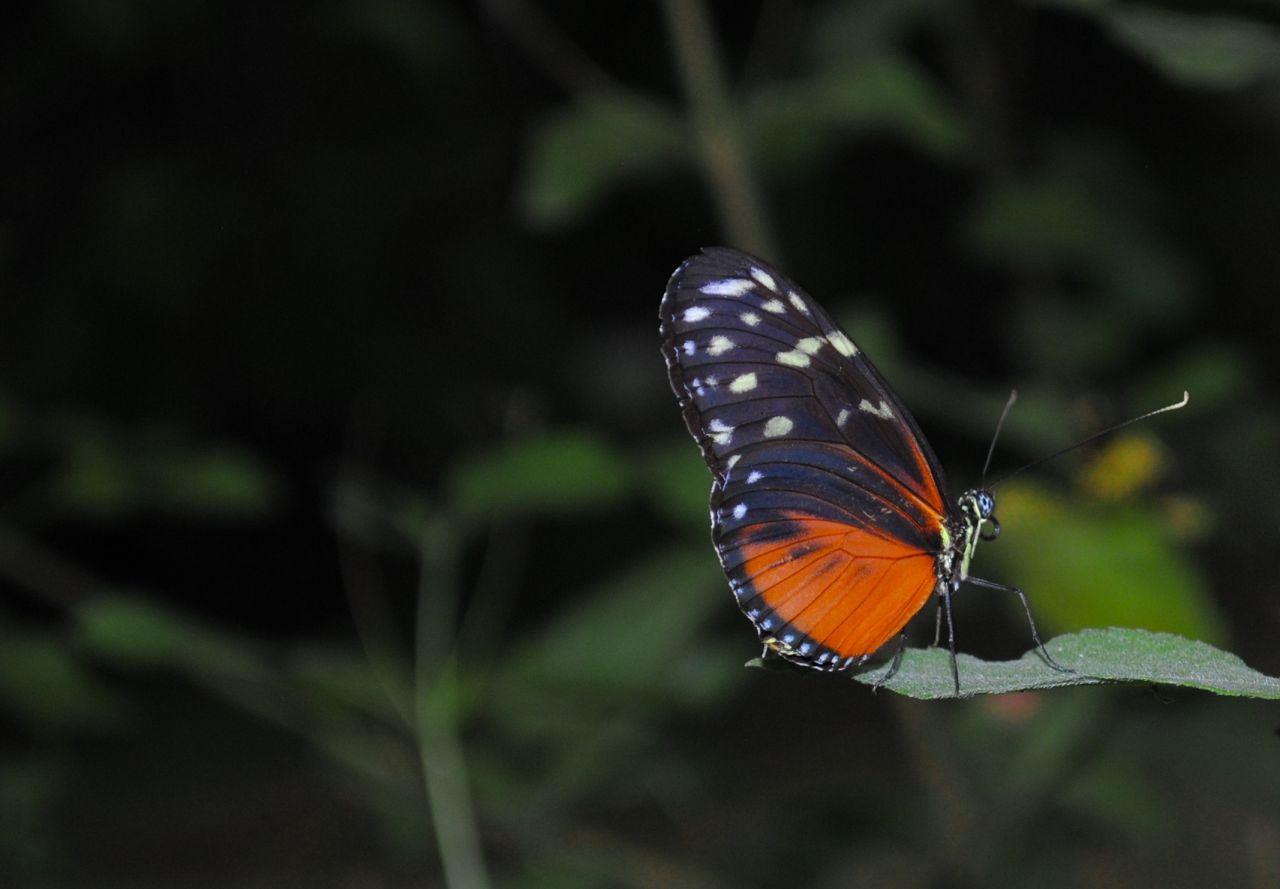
{"x": 978, "y": 506}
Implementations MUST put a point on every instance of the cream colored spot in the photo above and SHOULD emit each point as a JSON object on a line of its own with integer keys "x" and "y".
{"x": 883, "y": 411}
{"x": 721, "y": 432}
{"x": 842, "y": 343}
{"x": 751, "y": 319}
{"x": 811, "y": 344}
{"x": 690, "y": 347}
{"x": 842, "y": 417}
{"x": 732, "y": 461}
{"x": 754, "y": 476}
{"x": 764, "y": 278}
{"x": 696, "y": 313}
{"x": 728, "y": 287}
{"x": 798, "y": 302}
{"x": 744, "y": 383}
{"x": 777, "y": 426}
{"x": 719, "y": 345}
{"x": 775, "y": 306}
{"x": 739, "y": 511}
{"x": 794, "y": 358}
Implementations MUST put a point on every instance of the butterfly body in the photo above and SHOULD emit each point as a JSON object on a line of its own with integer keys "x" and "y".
{"x": 828, "y": 506}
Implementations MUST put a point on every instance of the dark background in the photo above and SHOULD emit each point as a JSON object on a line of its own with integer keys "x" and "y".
{"x": 350, "y": 533}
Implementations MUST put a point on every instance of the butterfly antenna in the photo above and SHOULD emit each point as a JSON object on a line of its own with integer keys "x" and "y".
{"x": 1013, "y": 396}
{"x": 1186, "y": 397}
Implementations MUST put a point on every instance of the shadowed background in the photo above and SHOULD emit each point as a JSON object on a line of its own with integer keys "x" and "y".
{"x": 351, "y": 536}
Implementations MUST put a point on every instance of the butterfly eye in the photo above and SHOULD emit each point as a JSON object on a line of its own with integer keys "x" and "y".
{"x": 986, "y": 505}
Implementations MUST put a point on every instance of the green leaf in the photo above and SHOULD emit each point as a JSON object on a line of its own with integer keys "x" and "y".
{"x": 631, "y": 633}
{"x": 43, "y": 685}
{"x": 1199, "y": 50}
{"x": 1096, "y": 656}
{"x": 679, "y": 484}
{"x": 846, "y": 34}
{"x": 105, "y": 476}
{"x": 136, "y": 633}
{"x": 1211, "y": 51}
{"x": 579, "y": 154}
{"x": 793, "y": 122}
{"x": 1118, "y": 566}
{"x": 556, "y": 473}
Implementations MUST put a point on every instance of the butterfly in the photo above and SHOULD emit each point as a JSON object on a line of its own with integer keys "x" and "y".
{"x": 829, "y": 510}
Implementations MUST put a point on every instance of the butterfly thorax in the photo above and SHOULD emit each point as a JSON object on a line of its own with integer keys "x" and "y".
{"x": 974, "y": 520}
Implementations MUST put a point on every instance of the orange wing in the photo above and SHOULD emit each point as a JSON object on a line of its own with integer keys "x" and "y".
{"x": 825, "y": 593}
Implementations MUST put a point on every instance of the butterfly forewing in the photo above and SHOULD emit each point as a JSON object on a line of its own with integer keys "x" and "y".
{"x": 827, "y": 502}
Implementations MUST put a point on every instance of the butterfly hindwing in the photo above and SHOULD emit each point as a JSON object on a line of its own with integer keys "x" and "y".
{"x": 827, "y": 504}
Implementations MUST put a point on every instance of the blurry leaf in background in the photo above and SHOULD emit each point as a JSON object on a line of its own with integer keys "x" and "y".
{"x": 1211, "y": 51}
{"x": 678, "y": 483}
{"x": 584, "y": 692}
{"x": 1093, "y": 208}
{"x": 843, "y": 35}
{"x": 793, "y": 123}
{"x": 1086, "y": 234}
{"x": 1214, "y": 374}
{"x": 633, "y": 636}
{"x": 423, "y": 36}
{"x": 1086, "y": 567}
{"x": 44, "y": 685}
{"x": 864, "y": 84}
{"x": 579, "y": 154}
{"x": 1195, "y": 48}
{"x": 105, "y": 471}
{"x": 553, "y": 473}
{"x": 132, "y": 632}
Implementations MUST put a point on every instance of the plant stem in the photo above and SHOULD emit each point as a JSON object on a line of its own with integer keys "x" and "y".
{"x": 444, "y": 773}
{"x": 714, "y": 124}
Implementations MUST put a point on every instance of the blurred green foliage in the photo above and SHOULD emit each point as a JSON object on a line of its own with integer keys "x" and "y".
{"x": 351, "y": 537}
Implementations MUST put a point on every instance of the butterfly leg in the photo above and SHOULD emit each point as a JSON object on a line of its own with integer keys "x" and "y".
{"x": 1031, "y": 621}
{"x": 945, "y": 592}
{"x": 893, "y": 667}
{"x": 937, "y": 624}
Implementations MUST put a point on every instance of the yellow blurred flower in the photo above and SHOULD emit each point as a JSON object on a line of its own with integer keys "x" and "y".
{"x": 1126, "y": 465}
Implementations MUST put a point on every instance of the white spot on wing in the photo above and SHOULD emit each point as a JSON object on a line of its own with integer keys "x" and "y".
{"x": 842, "y": 417}
{"x": 732, "y": 461}
{"x": 719, "y": 345}
{"x": 728, "y": 287}
{"x": 775, "y": 306}
{"x": 777, "y": 426}
{"x": 751, "y": 319}
{"x": 811, "y": 344}
{"x": 842, "y": 343}
{"x": 696, "y": 313}
{"x": 754, "y": 476}
{"x": 884, "y": 412}
{"x": 739, "y": 511}
{"x": 794, "y": 358}
{"x": 798, "y": 302}
{"x": 690, "y": 347}
{"x": 744, "y": 383}
{"x": 764, "y": 278}
{"x": 721, "y": 432}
